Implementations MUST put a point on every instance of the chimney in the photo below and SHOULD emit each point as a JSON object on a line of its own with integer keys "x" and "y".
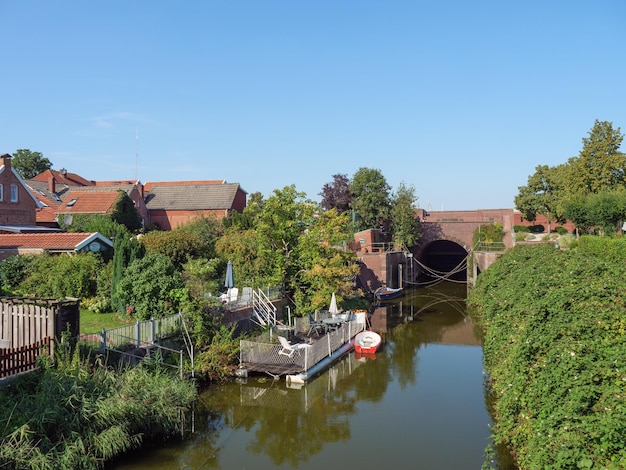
{"x": 5, "y": 160}
{"x": 52, "y": 186}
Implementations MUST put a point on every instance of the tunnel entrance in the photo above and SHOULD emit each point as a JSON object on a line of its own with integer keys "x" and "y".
{"x": 442, "y": 259}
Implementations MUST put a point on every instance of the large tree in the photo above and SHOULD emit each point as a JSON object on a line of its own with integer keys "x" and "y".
{"x": 541, "y": 195}
{"x": 370, "y": 198}
{"x": 405, "y": 228}
{"x": 29, "y": 164}
{"x": 337, "y": 195}
{"x": 600, "y": 165}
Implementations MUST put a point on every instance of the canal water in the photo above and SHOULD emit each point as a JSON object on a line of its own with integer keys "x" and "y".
{"x": 420, "y": 403}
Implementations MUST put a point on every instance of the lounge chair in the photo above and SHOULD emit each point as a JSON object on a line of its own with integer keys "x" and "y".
{"x": 288, "y": 349}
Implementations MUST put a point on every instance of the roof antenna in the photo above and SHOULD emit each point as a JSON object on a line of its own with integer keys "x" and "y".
{"x": 136, "y": 150}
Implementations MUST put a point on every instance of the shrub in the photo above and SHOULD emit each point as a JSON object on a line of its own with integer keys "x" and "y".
{"x": 521, "y": 228}
{"x": 61, "y": 276}
{"x": 555, "y": 351}
{"x": 150, "y": 287}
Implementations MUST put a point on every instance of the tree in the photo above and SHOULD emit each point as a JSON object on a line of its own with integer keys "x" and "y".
{"x": 370, "y": 198}
{"x": 336, "y": 195}
{"x": 124, "y": 212}
{"x": 600, "y": 165}
{"x": 325, "y": 267}
{"x": 406, "y": 230}
{"x": 541, "y": 195}
{"x": 285, "y": 215}
{"x": 29, "y": 164}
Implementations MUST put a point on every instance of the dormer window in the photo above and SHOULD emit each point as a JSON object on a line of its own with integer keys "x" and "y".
{"x": 14, "y": 193}
{"x": 72, "y": 202}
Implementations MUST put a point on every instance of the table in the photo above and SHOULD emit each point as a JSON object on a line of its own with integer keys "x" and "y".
{"x": 332, "y": 323}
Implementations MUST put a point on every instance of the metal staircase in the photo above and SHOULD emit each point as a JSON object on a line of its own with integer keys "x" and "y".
{"x": 263, "y": 310}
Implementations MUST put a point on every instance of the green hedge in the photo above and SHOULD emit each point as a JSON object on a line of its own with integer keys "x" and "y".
{"x": 555, "y": 350}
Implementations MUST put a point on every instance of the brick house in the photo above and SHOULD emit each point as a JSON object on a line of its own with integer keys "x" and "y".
{"x": 18, "y": 205}
{"x": 175, "y": 203}
{"x": 57, "y": 189}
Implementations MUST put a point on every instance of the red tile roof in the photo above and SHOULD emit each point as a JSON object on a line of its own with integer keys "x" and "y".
{"x": 47, "y": 241}
{"x": 88, "y": 202}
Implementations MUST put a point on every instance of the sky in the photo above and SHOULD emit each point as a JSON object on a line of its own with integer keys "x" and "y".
{"x": 459, "y": 100}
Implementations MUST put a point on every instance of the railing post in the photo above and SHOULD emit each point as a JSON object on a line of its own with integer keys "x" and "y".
{"x": 152, "y": 330}
{"x": 103, "y": 344}
{"x": 138, "y": 333}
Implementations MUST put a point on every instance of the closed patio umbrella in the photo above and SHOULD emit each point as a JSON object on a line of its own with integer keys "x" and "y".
{"x": 229, "y": 282}
{"x": 333, "y": 305}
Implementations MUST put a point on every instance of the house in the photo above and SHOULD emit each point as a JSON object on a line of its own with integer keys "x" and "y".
{"x": 18, "y": 205}
{"x": 175, "y": 203}
{"x": 64, "y": 195}
{"x": 54, "y": 243}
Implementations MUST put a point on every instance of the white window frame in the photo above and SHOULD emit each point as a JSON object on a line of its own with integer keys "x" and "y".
{"x": 14, "y": 193}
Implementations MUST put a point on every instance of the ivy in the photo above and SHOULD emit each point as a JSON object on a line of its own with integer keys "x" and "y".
{"x": 555, "y": 350}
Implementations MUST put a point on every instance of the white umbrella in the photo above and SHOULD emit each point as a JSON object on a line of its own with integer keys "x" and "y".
{"x": 333, "y": 305}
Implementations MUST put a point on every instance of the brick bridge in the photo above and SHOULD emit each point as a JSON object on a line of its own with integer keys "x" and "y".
{"x": 445, "y": 244}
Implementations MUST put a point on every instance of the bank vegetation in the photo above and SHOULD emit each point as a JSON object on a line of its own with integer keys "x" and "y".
{"x": 554, "y": 327}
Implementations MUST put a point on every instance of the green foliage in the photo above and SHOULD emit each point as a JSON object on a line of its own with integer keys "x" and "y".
{"x": 370, "y": 198}
{"x": 126, "y": 249}
{"x": 556, "y": 192}
{"x": 604, "y": 211}
{"x": 62, "y": 276}
{"x": 150, "y": 285}
{"x": 405, "y": 228}
{"x": 488, "y": 234}
{"x": 125, "y": 213}
{"x": 177, "y": 245}
{"x": 100, "y": 223}
{"x": 217, "y": 360}
{"x": 208, "y": 230}
{"x": 29, "y": 164}
{"x": 521, "y": 228}
{"x": 600, "y": 166}
{"x": 69, "y": 415}
{"x": 201, "y": 276}
{"x": 555, "y": 349}
{"x": 324, "y": 267}
{"x": 13, "y": 271}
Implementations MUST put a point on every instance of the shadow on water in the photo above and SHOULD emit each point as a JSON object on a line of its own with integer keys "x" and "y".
{"x": 418, "y": 403}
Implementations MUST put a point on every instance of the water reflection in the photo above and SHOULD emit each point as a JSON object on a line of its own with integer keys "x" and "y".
{"x": 418, "y": 404}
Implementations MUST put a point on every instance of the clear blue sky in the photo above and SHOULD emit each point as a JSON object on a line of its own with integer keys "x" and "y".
{"x": 461, "y": 100}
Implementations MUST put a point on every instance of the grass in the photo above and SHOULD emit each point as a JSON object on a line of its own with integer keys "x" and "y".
{"x": 91, "y": 322}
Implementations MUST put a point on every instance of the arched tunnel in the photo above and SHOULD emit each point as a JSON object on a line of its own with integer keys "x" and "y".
{"x": 442, "y": 258}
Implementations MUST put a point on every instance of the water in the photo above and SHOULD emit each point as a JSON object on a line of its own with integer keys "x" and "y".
{"x": 419, "y": 404}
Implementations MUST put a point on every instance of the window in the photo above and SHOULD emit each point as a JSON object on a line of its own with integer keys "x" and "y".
{"x": 72, "y": 202}
{"x": 1, "y": 192}
{"x": 14, "y": 193}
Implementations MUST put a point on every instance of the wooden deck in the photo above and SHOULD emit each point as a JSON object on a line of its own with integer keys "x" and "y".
{"x": 265, "y": 357}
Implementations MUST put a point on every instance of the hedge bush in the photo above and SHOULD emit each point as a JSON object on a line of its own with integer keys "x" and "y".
{"x": 555, "y": 350}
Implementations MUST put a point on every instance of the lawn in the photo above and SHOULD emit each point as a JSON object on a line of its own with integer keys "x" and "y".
{"x": 96, "y": 322}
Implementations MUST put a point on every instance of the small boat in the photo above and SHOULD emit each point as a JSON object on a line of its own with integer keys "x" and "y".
{"x": 387, "y": 292}
{"x": 367, "y": 342}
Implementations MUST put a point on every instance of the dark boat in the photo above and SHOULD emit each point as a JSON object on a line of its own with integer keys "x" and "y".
{"x": 385, "y": 292}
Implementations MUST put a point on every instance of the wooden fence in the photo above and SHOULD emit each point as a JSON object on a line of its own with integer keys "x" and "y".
{"x": 29, "y": 326}
{"x": 22, "y": 359}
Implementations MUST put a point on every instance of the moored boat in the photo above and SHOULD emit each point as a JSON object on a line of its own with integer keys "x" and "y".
{"x": 367, "y": 342}
{"x": 387, "y": 292}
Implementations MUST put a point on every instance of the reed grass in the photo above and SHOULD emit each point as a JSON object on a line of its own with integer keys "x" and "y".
{"x": 72, "y": 414}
